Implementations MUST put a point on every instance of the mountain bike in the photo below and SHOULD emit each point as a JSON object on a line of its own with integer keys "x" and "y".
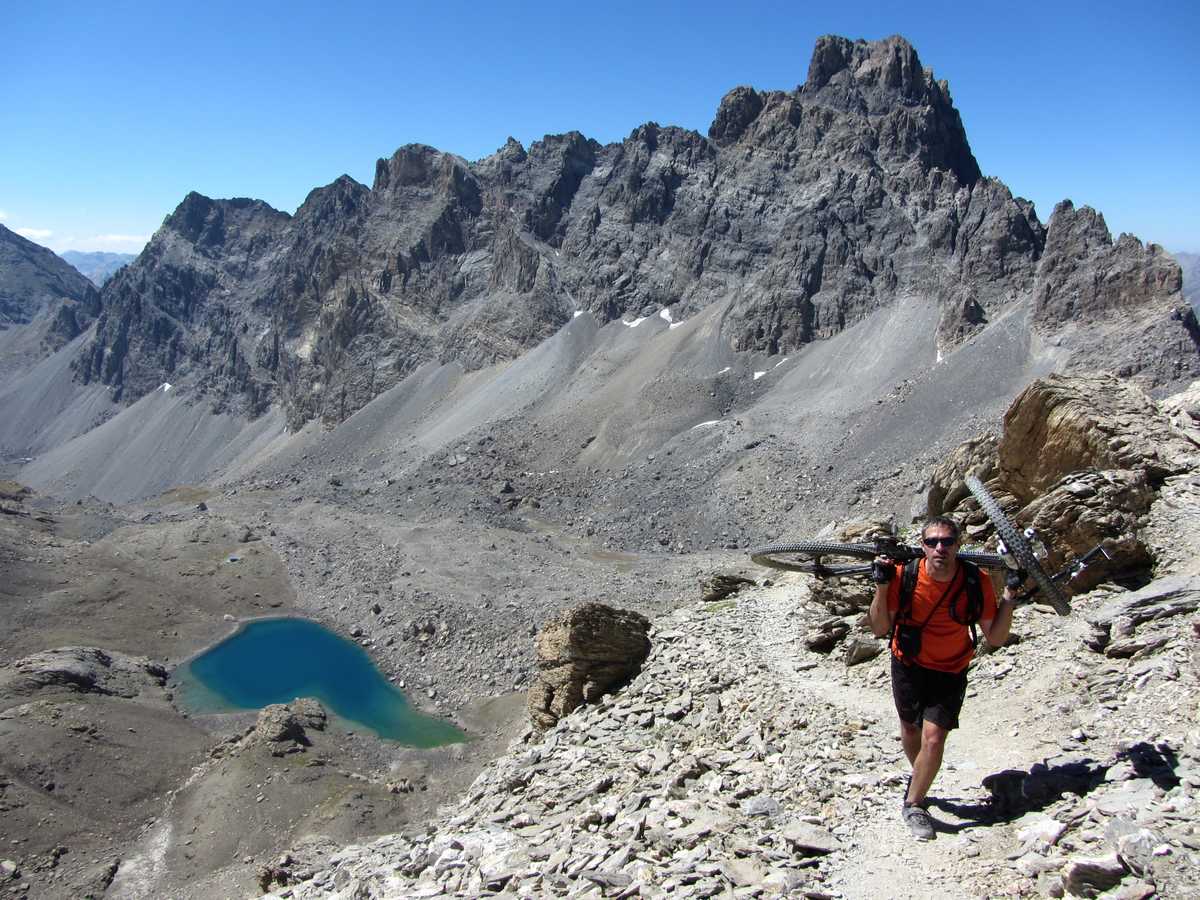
{"x": 828, "y": 559}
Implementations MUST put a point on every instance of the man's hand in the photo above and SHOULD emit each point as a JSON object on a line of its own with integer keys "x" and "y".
{"x": 1015, "y": 578}
{"x": 882, "y": 569}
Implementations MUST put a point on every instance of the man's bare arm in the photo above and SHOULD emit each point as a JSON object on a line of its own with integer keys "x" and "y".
{"x": 996, "y": 631}
{"x": 878, "y": 616}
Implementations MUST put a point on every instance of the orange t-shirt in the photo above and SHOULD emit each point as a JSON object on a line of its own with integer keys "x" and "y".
{"x": 945, "y": 644}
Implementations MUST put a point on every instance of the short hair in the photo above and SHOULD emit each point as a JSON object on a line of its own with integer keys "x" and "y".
{"x": 941, "y": 522}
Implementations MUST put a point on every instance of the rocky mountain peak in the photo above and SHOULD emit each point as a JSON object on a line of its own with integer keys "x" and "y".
{"x": 738, "y": 109}
{"x": 885, "y": 78}
{"x": 204, "y": 222}
{"x": 804, "y": 211}
{"x": 340, "y": 199}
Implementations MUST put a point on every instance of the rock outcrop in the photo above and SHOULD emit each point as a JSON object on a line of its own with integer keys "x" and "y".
{"x": 83, "y": 670}
{"x": 40, "y": 290}
{"x": 1082, "y": 460}
{"x": 1060, "y": 425}
{"x": 720, "y": 585}
{"x": 583, "y": 654}
{"x": 804, "y": 211}
{"x": 282, "y": 727}
{"x": 1084, "y": 276}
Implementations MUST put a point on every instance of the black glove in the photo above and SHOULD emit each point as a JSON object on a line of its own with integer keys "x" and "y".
{"x": 882, "y": 572}
{"x": 1015, "y": 578}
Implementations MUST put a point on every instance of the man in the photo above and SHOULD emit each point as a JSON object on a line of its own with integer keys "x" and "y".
{"x": 929, "y": 671}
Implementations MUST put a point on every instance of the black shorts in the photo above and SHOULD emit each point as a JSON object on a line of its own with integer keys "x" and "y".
{"x": 928, "y": 694}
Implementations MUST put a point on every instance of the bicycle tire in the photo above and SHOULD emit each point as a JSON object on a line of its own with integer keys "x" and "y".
{"x": 1015, "y": 541}
{"x": 983, "y": 560}
{"x": 814, "y": 567}
{"x": 769, "y": 556}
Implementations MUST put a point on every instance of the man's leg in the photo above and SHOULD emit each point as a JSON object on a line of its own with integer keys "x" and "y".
{"x": 910, "y": 739}
{"x": 932, "y": 742}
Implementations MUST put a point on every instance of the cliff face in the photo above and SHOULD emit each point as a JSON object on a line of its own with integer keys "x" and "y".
{"x": 803, "y": 210}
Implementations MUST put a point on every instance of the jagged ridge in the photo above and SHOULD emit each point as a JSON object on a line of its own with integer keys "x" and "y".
{"x": 803, "y": 211}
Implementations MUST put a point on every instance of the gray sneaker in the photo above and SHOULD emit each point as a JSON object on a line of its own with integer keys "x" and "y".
{"x": 918, "y": 822}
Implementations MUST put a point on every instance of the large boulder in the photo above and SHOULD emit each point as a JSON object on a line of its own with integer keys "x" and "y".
{"x": 1082, "y": 460}
{"x": 1183, "y": 412}
{"x": 283, "y": 727}
{"x": 85, "y": 670}
{"x": 720, "y": 585}
{"x": 1059, "y": 425}
{"x": 583, "y": 653}
{"x": 947, "y": 485}
{"x": 1093, "y": 507}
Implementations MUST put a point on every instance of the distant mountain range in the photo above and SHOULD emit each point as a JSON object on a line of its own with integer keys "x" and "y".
{"x": 98, "y": 267}
{"x": 854, "y": 199}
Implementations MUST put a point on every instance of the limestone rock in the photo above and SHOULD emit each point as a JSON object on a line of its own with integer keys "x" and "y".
{"x": 277, "y": 723}
{"x": 281, "y": 726}
{"x": 86, "y": 670}
{"x": 947, "y": 486}
{"x": 809, "y": 839}
{"x": 1162, "y": 599}
{"x": 861, "y": 649}
{"x": 719, "y": 586}
{"x": 1088, "y": 508}
{"x": 1060, "y": 425}
{"x": 827, "y": 635}
{"x": 582, "y": 654}
{"x": 842, "y": 596}
{"x": 1124, "y": 289}
{"x": 738, "y": 109}
{"x": 1183, "y": 412}
{"x": 14, "y": 492}
{"x": 1091, "y": 876}
{"x": 860, "y": 530}
{"x": 858, "y": 187}
{"x": 310, "y": 712}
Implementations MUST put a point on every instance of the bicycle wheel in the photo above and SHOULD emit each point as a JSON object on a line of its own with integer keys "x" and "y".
{"x": 1015, "y": 541}
{"x": 809, "y": 557}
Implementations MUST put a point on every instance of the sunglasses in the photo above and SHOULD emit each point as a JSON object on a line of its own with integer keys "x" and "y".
{"x": 944, "y": 541}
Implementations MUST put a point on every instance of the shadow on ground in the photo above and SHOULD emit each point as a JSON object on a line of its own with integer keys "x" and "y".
{"x": 1015, "y": 792}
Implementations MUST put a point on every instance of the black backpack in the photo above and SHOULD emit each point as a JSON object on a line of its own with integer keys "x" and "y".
{"x": 974, "y": 606}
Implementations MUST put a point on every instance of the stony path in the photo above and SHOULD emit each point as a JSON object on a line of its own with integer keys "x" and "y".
{"x": 883, "y": 860}
{"x": 737, "y": 763}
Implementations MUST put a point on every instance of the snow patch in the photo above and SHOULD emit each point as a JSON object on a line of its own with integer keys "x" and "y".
{"x": 665, "y": 315}
{"x": 635, "y": 323}
{"x": 578, "y": 313}
{"x": 165, "y": 387}
{"x": 781, "y": 362}
{"x": 304, "y": 351}
{"x": 706, "y": 424}
{"x": 724, "y": 370}
{"x": 758, "y": 375}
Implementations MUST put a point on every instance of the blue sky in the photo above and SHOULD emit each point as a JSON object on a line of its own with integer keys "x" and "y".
{"x": 110, "y": 113}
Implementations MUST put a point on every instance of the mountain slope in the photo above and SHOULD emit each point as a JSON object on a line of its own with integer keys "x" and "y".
{"x": 806, "y": 210}
{"x": 44, "y": 302}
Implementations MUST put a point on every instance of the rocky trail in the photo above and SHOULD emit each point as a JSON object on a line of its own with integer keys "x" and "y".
{"x": 738, "y": 763}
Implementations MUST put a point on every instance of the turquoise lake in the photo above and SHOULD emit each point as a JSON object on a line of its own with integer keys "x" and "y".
{"x": 278, "y": 660}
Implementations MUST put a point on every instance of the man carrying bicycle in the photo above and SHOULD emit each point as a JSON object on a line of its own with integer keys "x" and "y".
{"x": 930, "y": 620}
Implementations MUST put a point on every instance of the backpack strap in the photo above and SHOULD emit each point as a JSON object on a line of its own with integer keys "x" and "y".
{"x": 974, "y": 589}
{"x": 908, "y": 585}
